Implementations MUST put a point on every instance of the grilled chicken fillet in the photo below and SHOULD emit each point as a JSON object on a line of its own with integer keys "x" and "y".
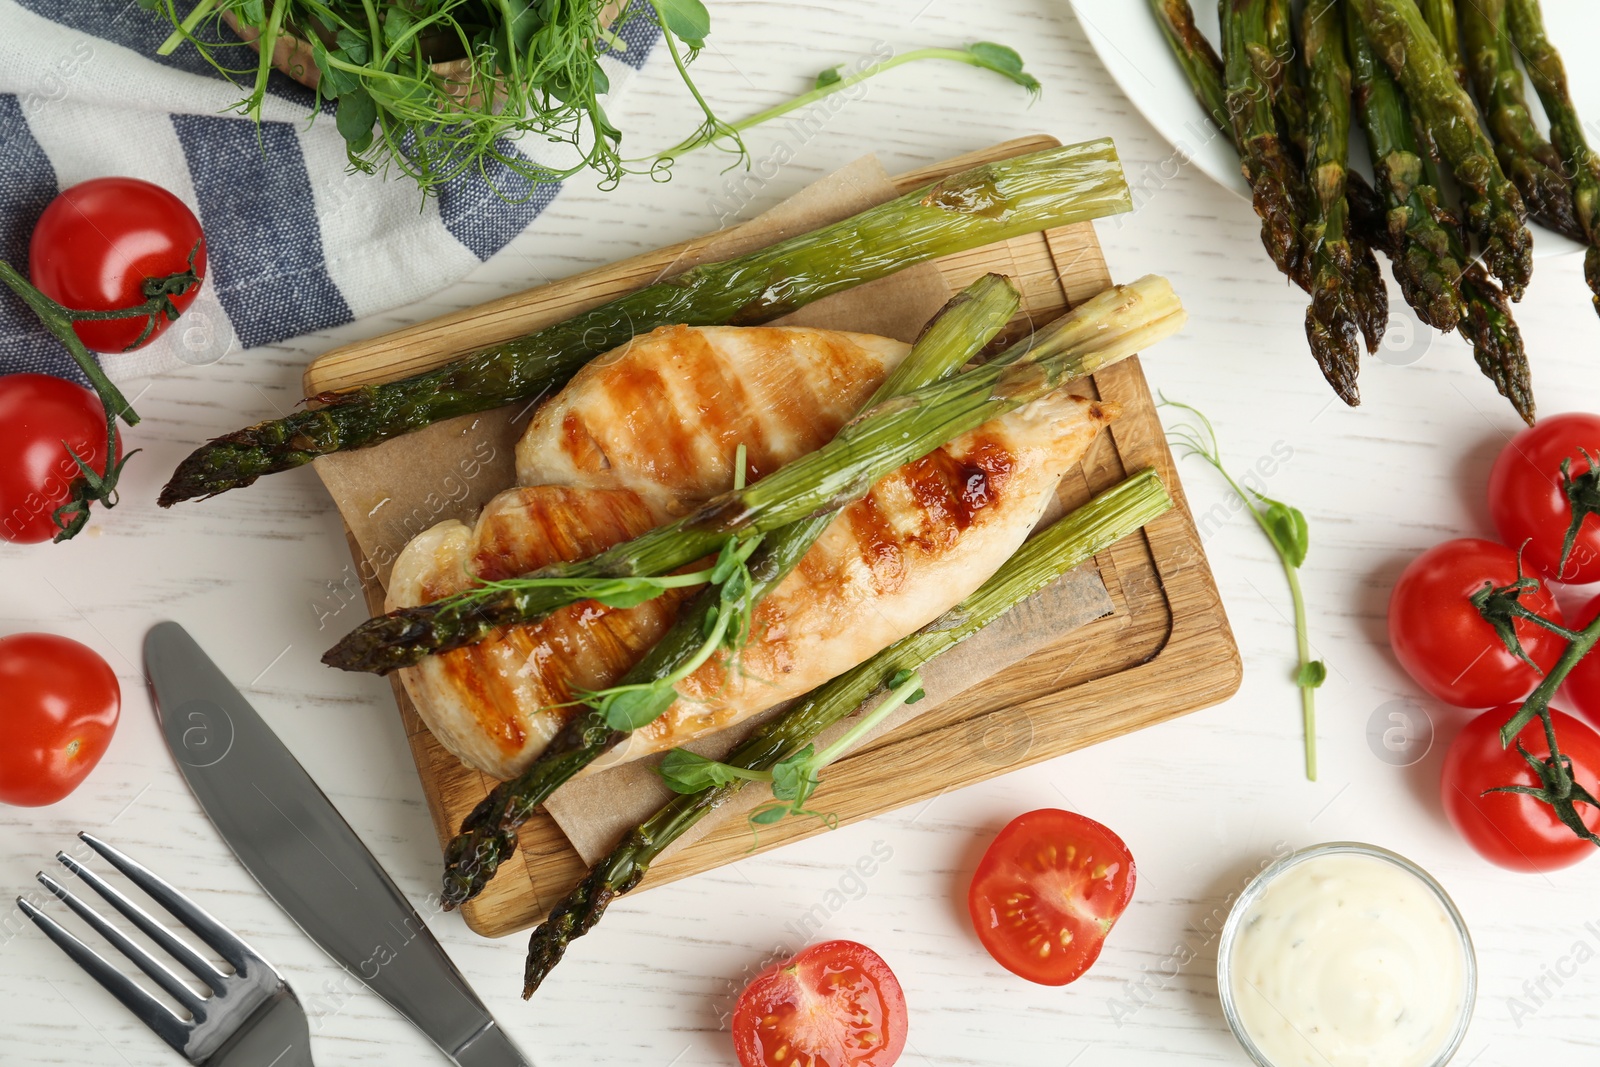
{"x": 610, "y": 458}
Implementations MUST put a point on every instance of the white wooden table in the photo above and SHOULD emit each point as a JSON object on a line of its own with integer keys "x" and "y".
{"x": 252, "y": 573}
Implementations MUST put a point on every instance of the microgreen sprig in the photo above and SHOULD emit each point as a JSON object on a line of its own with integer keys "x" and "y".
{"x": 727, "y": 625}
{"x": 985, "y": 55}
{"x": 796, "y": 777}
{"x": 1286, "y": 530}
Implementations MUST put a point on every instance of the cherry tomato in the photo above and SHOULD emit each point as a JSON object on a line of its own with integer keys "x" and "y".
{"x": 836, "y": 1004}
{"x": 1582, "y": 692}
{"x": 38, "y": 413}
{"x": 1528, "y": 499}
{"x": 1511, "y": 829}
{"x": 1446, "y": 646}
{"x": 97, "y": 243}
{"x": 1047, "y": 893}
{"x": 60, "y": 709}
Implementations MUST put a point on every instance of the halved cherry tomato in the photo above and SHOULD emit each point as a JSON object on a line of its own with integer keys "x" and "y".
{"x": 1047, "y": 893}
{"x": 1445, "y": 644}
{"x": 1511, "y": 829}
{"x": 836, "y": 1004}
{"x": 59, "y": 703}
{"x": 1582, "y": 692}
{"x": 1528, "y": 496}
{"x": 98, "y": 242}
{"x": 37, "y": 414}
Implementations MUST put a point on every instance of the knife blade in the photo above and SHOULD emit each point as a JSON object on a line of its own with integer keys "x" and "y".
{"x": 308, "y": 859}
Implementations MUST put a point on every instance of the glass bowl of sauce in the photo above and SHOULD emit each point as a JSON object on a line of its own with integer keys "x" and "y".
{"x": 1346, "y": 955}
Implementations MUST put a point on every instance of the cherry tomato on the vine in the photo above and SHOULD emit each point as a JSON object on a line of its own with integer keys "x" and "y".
{"x": 1511, "y": 829}
{"x": 60, "y": 707}
{"x": 99, "y": 241}
{"x": 1445, "y": 644}
{"x": 1529, "y": 501}
{"x": 38, "y": 413}
{"x": 1047, "y": 892}
{"x": 836, "y": 1004}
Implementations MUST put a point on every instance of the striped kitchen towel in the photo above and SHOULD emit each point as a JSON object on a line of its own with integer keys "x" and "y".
{"x": 295, "y": 242}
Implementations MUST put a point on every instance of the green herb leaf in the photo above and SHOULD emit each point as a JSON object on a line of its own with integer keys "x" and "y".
{"x": 794, "y": 779}
{"x": 1286, "y": 528}
{"x": 352, "y": 45}
{"x": 633, "y": 709}
{"x": 355, "y": 117}
{"x": 1004, "y": 61}
{"x": 1312, "y": 675}
{"x": 625, "y": 592}
{"x": 688, "y": 772}
{"x": 727, "y": 561}
{"x": 526, "y": 20}
{"x": 334, "y": 82}
{"x": 399, "y": 24}
{"x": 687, "y": 20}
{"x": 769, "y": 814}
{"x": 831, "y": 76}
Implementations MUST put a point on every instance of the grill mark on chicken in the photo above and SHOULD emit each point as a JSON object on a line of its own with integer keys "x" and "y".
{"x": 666, "y": 414}
{"x": 583, "y": 646}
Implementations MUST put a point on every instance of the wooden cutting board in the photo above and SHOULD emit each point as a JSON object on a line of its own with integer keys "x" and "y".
{"x": 1164, "y": 650}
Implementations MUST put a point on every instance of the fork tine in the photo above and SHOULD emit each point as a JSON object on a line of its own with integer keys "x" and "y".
{"x": 173, "y": 946}
{"x": 213, "y": 933}
{"x": 171, "y": 1029}
{"x": 120, "y": 941}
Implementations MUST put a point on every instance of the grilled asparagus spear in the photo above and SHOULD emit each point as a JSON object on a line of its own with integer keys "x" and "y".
{"x": 976, "y": 207}
{"x": 1495, "y": 212}
{"x": 1440, "y": 15}
{"x": 1068, "y": 542}
{"x": 1274, "y": 179}
{"x": 1199, "y": 60}
{"x": 1420, "y": 231}
{"x": 1582, "y": 166}
{"x": 1527, "y": 158}
{"x": 1346, "y": 295}
{"x": 488, "y": 835}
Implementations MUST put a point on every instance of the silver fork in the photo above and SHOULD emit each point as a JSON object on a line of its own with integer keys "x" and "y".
{"x": 251, "y": 1019}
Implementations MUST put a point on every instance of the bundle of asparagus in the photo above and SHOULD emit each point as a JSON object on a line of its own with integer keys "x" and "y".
{"x": 1407, "y": 66}
{"x": 970, "y": 209}
{"x": 1068, "y": 542}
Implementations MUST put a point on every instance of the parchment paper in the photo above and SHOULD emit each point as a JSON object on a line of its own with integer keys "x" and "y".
{"x": 389, "y": 494}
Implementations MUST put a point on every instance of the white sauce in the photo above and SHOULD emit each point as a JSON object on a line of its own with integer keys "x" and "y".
{"x": 1348, "y": 960}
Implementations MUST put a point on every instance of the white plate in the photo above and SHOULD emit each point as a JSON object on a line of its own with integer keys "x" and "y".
{"x": 1131, "y": 45}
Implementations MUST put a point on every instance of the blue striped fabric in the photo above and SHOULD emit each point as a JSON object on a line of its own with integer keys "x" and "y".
{"x": 269, "y": 268}
{"x": 29, "y": 183}
{"x": 286, "y": 256}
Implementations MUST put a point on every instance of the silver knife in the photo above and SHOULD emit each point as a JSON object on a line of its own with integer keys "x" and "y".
{"x": 298, "y": 846}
